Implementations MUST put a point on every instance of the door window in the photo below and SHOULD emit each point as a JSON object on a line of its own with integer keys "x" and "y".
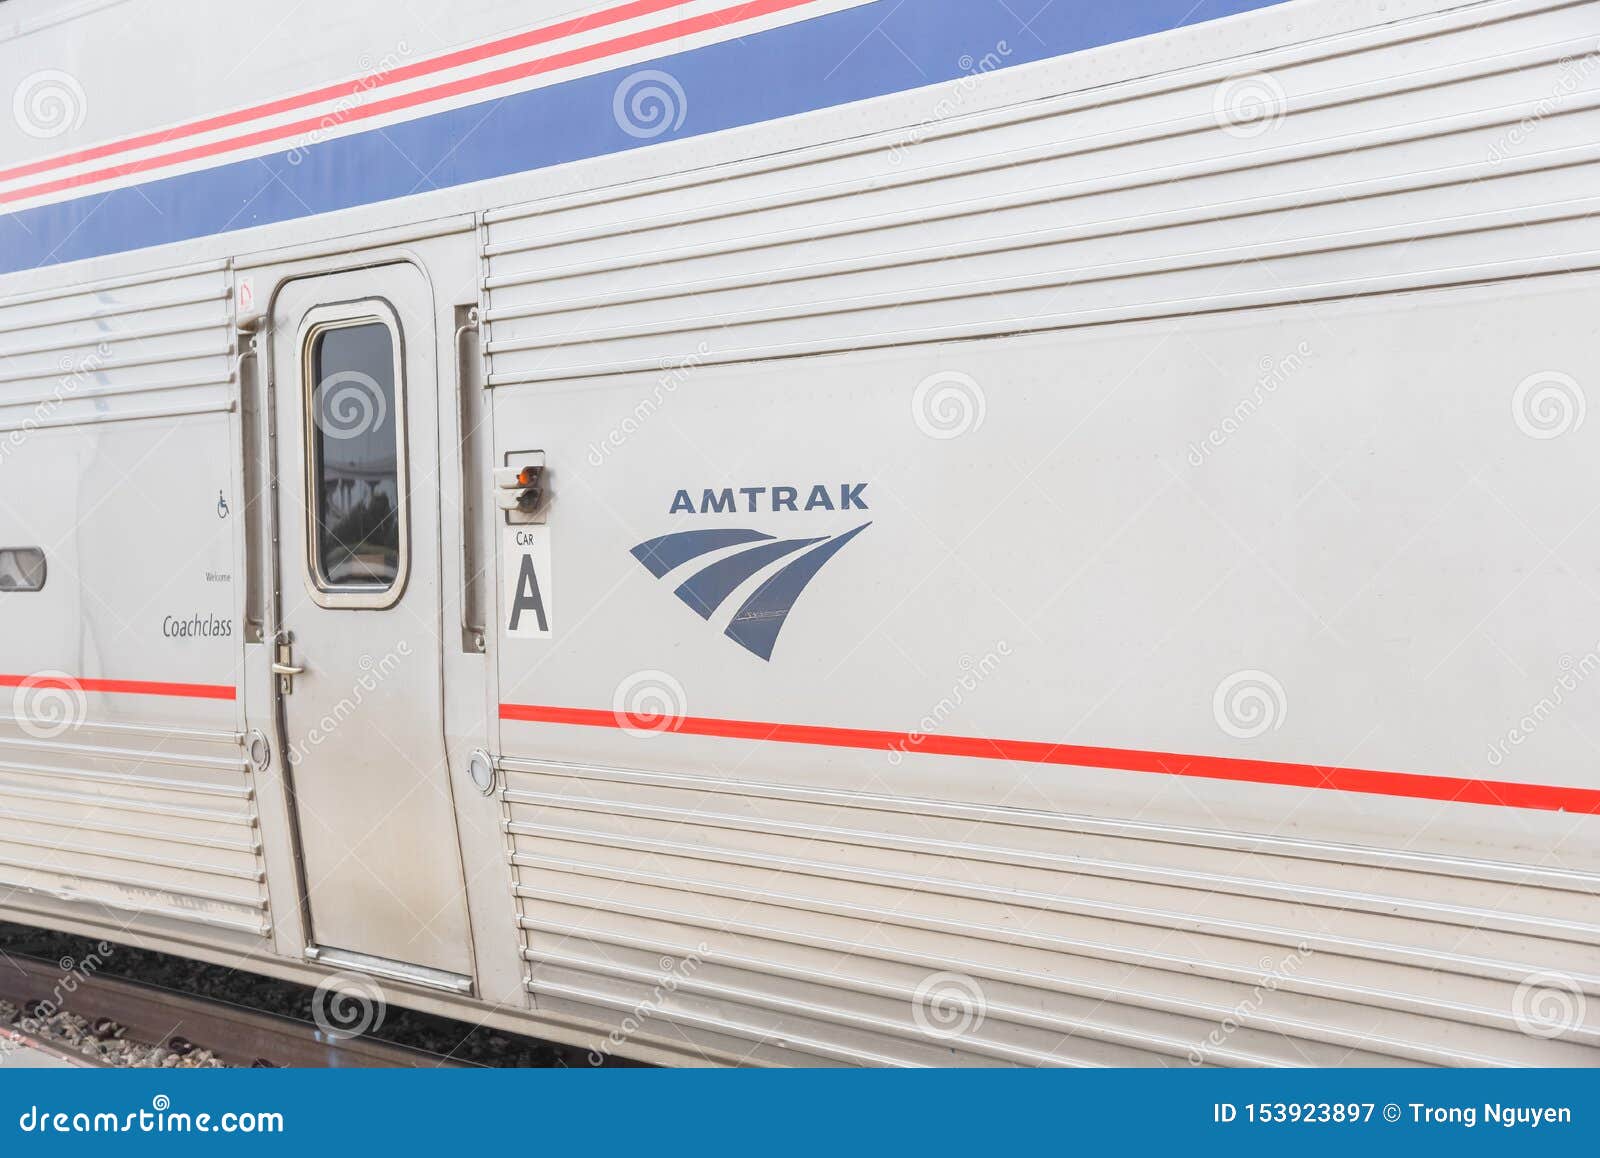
{"x": 355, "y": 463}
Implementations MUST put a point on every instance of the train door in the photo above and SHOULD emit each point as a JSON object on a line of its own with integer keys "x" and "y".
{"x": 357, "y": 656}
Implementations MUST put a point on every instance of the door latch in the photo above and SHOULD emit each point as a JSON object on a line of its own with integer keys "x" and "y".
{"x": 283, "y": 666}
{"x": 520, "y": 487}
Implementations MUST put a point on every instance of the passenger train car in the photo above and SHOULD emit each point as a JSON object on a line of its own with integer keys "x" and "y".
{"x": 812, "y": 532}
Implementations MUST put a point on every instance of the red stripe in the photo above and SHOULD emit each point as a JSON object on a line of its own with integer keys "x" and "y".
{"x": 1406, "y": 784}
{"x": 355, "y": 88}
{"x": 560, "y": 60}
{"x": 123, "y": 687}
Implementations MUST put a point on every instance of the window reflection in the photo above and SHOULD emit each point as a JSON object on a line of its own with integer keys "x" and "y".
{"x": 21, "y": 569}
{"x": 355, "y": 457}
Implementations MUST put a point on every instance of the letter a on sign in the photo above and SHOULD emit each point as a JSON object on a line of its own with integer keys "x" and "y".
{"x": 527, "y": 582}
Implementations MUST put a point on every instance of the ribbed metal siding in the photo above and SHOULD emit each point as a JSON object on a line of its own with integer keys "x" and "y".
{"x": 153, "y": 345}
{"x": 151, "y": 822}
{"x": 826, "y": 918}
{"x": 1390, "y": 148}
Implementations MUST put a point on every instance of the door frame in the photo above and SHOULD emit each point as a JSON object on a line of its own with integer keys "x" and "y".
{"x": 280, "y": 271}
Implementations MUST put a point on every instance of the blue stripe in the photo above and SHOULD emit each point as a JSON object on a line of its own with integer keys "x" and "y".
{"x": 864, "y": 52}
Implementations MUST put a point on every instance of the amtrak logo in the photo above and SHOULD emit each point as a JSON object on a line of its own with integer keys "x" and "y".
{"x": 757, "y": 622}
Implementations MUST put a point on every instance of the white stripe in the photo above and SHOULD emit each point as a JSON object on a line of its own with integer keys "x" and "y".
{"x": 334, "y": 116}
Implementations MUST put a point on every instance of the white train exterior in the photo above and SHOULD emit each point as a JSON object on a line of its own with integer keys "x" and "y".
{"x": 1052, "y": 533}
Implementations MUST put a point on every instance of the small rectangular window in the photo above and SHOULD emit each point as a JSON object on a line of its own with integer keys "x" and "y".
{"x": 21, "y": 569}
{"x": 355, "y": 448}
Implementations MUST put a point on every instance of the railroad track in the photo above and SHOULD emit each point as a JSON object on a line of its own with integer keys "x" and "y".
{"x": 21, "y": 1049}
{"x": 181, "y": 1023}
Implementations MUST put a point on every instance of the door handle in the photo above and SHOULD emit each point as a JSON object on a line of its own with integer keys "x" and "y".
{"x": 283, "y": 666}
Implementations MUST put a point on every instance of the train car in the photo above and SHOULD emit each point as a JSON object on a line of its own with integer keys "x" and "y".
{"x": 817, "y": 532}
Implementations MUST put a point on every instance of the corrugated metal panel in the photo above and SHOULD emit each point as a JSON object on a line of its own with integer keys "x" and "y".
{"x": 779, "y": 923}
{"x": 157, "y": 344}
{"x": 1398, "y": 158}
{"x": 152, "y": 821}
{"x": 788, "y": 915}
